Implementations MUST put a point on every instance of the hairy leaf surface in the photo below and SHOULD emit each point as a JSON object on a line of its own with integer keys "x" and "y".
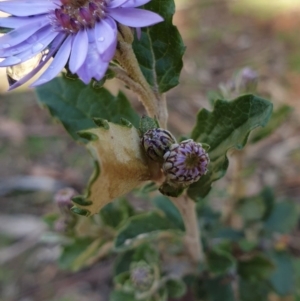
{"x": 142, "y": 227}
{"x": 160, "y": 49}
{"x": 75, "y": 105}
{"x": 227, "y": 126}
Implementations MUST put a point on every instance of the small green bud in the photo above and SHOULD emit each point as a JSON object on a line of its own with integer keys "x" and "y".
{"x": 147, "y": 123}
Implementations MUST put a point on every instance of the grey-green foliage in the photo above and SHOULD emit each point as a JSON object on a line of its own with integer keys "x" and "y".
{"x": 283, "y": 276}
{"x": 143, "y": 227}
{"x": 227, "y": 126}
{"x": 75, "y": 105}
{"x": 160, "y": 49}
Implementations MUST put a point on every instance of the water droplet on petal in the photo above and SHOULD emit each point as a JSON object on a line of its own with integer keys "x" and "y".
{"x": 14, "y": 60}
{"x": 5, "y": 45}
{"x": 32, "y": 39}
{"x": 37, "y": 47}
{"x": 43, "y": 80}
{"x": 101, "y": 39}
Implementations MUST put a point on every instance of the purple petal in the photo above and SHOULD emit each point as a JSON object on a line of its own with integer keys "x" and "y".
{"x": 110, "y": 52}
{"x": 57, "y": 64}
{"x": 93, "y": 67}
{"x": 116, "y": 3}
{"x": 135, "y": 17}
{"x": 14, "y": 22}
{"x": 19, "y": 35}
{"x": 79, "y": 50}
{"x": 35, "y": 48}
{"x": 138, "y": 33}
{"x": 105, "y": 37}
{"x": 28, "y": 43}
{"x": 23, "y": 8}
{"x": 57, "y": 42}
{"x": 135, "y": 3}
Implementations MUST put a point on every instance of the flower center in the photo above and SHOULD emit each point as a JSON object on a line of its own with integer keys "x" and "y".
{"x": 74, "y": 15}
{"x": 192, "y": 161}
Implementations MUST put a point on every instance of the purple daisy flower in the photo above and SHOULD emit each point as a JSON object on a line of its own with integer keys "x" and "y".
{"x": 80, "y": 32}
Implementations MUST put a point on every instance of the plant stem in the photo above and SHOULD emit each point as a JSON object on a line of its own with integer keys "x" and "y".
{"x": 192, "y": 235}
{"x": 156, "y": 106}
{"x": 238, "y": 191}
{"x": 154, "y": 103}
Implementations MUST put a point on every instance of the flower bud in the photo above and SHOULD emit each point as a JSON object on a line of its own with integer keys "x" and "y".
{"x": 156, "y": 142}
{"x": 141, "y": 276}
{"x": 185, "y": 163}
{"x": 63, "y": 199}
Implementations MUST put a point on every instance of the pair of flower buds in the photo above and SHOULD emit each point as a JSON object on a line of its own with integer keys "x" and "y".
{"x": 182, "y": 163}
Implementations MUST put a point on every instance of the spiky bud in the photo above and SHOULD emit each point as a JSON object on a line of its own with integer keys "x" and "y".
{"x": 141, "y": 276}
{"x": 185, "y": 163}
{"x": 156, "y": 143}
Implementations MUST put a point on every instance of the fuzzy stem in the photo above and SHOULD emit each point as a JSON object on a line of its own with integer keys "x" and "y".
{"x": 154, "y": 103}
{"x": 238, "y": 192}
{"x": 156, "y": 106}
{"x": 192, "y": 232}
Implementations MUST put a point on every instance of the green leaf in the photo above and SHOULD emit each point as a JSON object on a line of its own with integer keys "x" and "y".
{"x": 269, "y": 200}
{"x": 283, "y": 278}
{"x": 160, "y": 49}
{"x": 147, "y": 253}
{"x": 246, "y": 245}
{"x": 227, "y": 126}
{"x": 258, "y": 267}
{"x": 278, "y": 117}
{"x": 121, "y": 296}
{"x": 169, "y": 190}
{"x": 296, "y": 264}
{"x": 253, "y": 290}
{"x": 123, "y": 261}
{"x": 72, "y": 251}
{"x": 81, "y": 255}
{"x": 142, "y": 227}
{"x": 220, "y": 288}
{"x": 170, "y": 210}
{"x": 144, "y": 252}
{"x": 219, "y": 261}
{"x": 75, "y": 104}
{"x": 147, "y": 123}
{"x": 282, "y": 219}
{"x": 252, "y": 208}
{"x": 115, "y": 213}
{"x": 176, "y": 288}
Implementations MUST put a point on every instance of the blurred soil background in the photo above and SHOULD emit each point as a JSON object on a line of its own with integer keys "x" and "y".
{"x": 37, "y": 157}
